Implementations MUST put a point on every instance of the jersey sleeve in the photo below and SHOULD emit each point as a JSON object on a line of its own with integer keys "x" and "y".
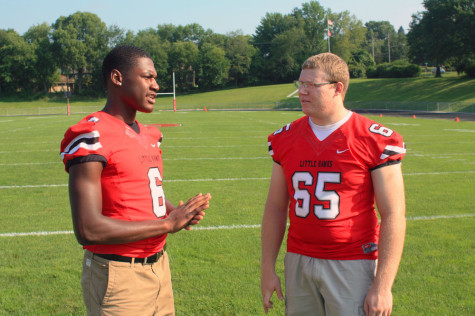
{"x": 82, "y": 143}
{"x": 382, "y": 146}
{"x": 274, "y": 142}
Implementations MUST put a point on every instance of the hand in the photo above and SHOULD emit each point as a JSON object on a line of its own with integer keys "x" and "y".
{"x": 378, "y": 302}
{"x": 189, "y": 213}
{"x": 269, "y": 284}
{"x": 196, "y": 219}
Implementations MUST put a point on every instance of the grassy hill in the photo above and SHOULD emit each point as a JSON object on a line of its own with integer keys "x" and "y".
{"x": 413, "y": 93}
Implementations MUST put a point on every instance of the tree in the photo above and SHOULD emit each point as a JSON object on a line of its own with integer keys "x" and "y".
{"x": 379, "y": 37}
{"x": 271, "y": 25}
{"x": 183, "y": 59}
{"x": 118, "y": 36}
{"x": 312, "y": 18}
{"x": 80, "y": 45}
{"x": 239, "y": 52}
{"x": 348, "y": 34}
{"x": 45, "y": 69}
{"x": 16, "y": 62}
{"x": 285, "y": 41}
{"x": 150, "y": 41}
{"x": 444, "y": 31}
{"x": 214, "y": 66}
{"x": 289, "y": 50}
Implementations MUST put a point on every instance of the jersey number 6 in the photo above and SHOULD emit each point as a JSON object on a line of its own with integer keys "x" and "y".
{"x": 156, "y": 190}
{"x": 303, "y": 196}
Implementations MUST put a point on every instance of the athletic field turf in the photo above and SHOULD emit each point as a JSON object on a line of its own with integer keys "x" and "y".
{"x": 215, "y": 267}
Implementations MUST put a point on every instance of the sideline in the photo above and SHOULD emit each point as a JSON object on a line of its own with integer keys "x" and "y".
{"x": 228, "y": 227}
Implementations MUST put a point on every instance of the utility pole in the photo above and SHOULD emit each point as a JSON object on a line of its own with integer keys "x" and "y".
{"x": 372, "y": 43}
{"x": 389, "y": 50}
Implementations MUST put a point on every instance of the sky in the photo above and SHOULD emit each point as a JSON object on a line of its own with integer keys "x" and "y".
{"x": 221, "y": 16}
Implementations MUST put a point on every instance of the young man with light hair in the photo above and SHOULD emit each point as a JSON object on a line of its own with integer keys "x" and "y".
{"x": 330, "y": 167}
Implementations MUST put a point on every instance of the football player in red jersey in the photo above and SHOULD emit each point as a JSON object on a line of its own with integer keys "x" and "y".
{"x": 330, "y": 167}
{"x": 119, "y": 210}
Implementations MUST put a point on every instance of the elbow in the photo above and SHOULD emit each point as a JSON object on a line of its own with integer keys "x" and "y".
{"x": 86, "y": 237}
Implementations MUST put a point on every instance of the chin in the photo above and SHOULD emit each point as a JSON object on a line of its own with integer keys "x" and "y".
{"x": 147, "y": 110}
{"x": 305, "y": 110}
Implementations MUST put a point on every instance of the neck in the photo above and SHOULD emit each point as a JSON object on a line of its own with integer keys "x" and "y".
{"x": 120, "y": 111}
{"x": 329, "y": 119}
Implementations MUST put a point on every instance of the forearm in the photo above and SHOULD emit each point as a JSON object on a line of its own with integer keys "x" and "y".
{"x": 274, "y": 220}
{"x": 391, "y": 245}
{"x": 390, "y": 199}
{"x": 106, "y": 230}
{"x": 272, "y": 234}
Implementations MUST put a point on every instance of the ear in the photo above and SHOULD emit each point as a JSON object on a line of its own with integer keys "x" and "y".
{"x": 339, "y": 88}
{"x": 116, "y": 77}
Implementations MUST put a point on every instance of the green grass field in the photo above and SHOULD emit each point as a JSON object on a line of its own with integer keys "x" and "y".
{"x": 215, "y": 267}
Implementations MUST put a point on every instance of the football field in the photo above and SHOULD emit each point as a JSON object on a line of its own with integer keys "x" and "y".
{"x": 216, "y": 266}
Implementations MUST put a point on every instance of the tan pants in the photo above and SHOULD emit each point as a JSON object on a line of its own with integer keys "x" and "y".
{"x": 121, "y": 288}
{"x": 326, "y": 287}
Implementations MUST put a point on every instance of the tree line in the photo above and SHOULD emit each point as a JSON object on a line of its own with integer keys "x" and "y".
{"x": 74, "y": 46}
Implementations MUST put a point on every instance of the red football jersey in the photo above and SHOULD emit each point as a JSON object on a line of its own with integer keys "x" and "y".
{"x": 331, "y": 211}
{"x": 132, "y": 176}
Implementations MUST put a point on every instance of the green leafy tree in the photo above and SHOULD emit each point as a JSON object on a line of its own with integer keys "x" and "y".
{"x": 239, "y": 52}
{"x": 17, "y": 61}
{"x": 151, "y": 42}
{"x": 183, "y": 59}
{"x": 271, "y": 25}
{"x": 80, "y": 45}
{"x": 312, "y": 18}
{"x": 118, "y": 36}
{"x": 348, "y": 34}
{"x": 399, "y": 46}
{"x": 45, "y": 69}
{"x": 289, "y": 50}
{"x": 378, "y": 37}
{"x": 214, "y": 66}
{"x": 445, "y": 31}
{"x": 285, "y": 41}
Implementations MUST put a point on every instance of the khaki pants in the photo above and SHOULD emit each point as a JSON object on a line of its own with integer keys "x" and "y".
{"x": 326, "y": 287}
{"x": 121, "y": 288}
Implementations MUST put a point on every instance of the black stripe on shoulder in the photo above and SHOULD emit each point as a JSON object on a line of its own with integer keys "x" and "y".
{"x": 88, "y": 158}
{"x": 387, "y": 163}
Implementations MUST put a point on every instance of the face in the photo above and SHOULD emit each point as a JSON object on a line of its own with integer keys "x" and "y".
{"x": 139, "y": 87}
{"x": 317, "y": 101}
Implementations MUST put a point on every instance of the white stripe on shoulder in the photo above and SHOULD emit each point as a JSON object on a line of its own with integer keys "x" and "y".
{"x": 391, "y": 151}
{"x": 88, "y": 141}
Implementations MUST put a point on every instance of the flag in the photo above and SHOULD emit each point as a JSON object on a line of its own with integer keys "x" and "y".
{"x": 329, "y": 33}
{"x": 330, "y": 23}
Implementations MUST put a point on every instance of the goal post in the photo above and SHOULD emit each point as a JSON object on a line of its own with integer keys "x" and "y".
{"x": 171, "y": 93}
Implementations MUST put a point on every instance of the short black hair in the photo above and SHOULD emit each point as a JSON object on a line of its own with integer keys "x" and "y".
{"x": 122, "y": 58}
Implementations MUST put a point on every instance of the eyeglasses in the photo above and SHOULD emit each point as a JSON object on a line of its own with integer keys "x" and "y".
{"x": 307, "y": 85}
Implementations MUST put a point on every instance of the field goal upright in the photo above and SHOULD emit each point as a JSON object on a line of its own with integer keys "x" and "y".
{"x": 173, "y": 93}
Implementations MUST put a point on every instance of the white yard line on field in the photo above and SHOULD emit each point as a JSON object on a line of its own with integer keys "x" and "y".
{"x": 223, "y": 179}
{"x": 224, "y": 227}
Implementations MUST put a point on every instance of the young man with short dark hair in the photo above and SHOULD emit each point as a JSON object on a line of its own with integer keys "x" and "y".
{"x": 119, "y": 210}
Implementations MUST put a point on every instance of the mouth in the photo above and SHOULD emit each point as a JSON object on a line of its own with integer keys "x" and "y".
{"x": 151, "y": 98}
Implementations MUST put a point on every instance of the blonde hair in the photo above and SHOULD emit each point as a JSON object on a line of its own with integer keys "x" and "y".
{"x": 333, "y": 66}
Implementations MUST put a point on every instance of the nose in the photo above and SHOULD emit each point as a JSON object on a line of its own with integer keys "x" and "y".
{"x": 155, "y": 86}
{"x": 302, "y": 89}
